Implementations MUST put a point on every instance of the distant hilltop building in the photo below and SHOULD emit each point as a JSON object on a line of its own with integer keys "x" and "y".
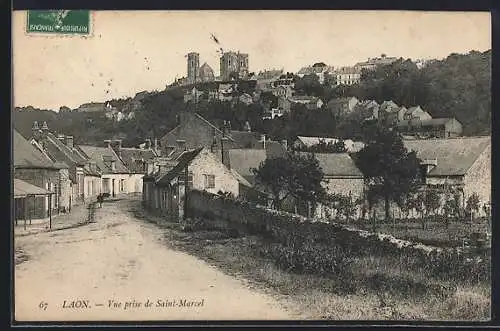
{"x": 233, "y": 64}
{"x": 373, "y": 63}
{"x": 319, "y": 69}
{"x": 195, "y": 73}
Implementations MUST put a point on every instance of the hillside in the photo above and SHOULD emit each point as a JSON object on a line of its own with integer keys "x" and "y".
{"x": 457, "y": 86}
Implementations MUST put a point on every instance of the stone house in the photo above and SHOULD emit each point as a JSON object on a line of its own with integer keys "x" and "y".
{"x": 309, "y": 101}
{"x": 461, "y": 163}
{"x": 115, "y": 177}
{"x": 283, "y": 91}
{"x": 60, "y": 148}
{"x": 342, "y": 106}
{"x": 194, "y": 131}
{"x": 433, "y": 128}
{"x": 340, "y": 176}
{"x": 201, "y": 170}
{"x": 33, "y": 167}
{"x": 139, "y": 162}
{"x": 416, "y": 112}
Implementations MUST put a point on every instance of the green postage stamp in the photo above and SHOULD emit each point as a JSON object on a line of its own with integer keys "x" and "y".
{"x": 68, "y": 22}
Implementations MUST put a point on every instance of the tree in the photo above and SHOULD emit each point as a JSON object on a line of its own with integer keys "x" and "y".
{"x": 390, "y": 169}
{"x": 295, "y": 175}
{"x": 472, "y": 205}
{"x": 309, "y": 85}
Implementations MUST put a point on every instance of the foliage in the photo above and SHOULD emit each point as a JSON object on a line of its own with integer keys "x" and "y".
{"x": 309, "y": 85}
{"x": 294, "y": 175}
{"x": 457, "y": 86}
{"x": 432, "y": 201}
{"x": 390, "y": 169}
{"x": 324, "y": 147}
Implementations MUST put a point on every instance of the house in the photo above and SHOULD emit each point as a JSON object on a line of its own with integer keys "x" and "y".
{"x": 283, "y": 91}
{"x": 201, "y": 170}
{"x": 341, "y": 177}
{"x": 342, "y": 106}
{"x": 60, "y": 148}
{"x": 306, "y": 142}
{"x": 114, "y": 174}
{"x": 416, "y": 112}
{"x": 369, "y": 109}
{"x": 194, "y": 131}
{"x": 272, "y": 114}
{"x": 462, "y": 163}
{"x": 436, "y": 127}
{"x": 373, "y": 63}
{"x": 34, "y": 168}
{"x": 309, "y": 101}
{"x": 139, "y": 162}
{"x": 244, "y": 160}
{"x": 285, "y": 80}
{"x": 347, "y": 76}
{"x": 319, "y": 69}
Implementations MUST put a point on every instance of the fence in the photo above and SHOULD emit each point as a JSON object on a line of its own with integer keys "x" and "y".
{"x": 301, "y": 233}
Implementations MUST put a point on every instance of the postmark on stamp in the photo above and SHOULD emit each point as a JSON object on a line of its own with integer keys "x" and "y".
{"x": 67, "y": 22}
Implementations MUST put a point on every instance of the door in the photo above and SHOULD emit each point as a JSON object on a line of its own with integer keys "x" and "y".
{"x": 113, "y": 187}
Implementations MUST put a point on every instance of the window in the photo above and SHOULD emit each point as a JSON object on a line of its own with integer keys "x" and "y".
{"x": 122, "y": 185}
{"x": 209, "y": 181}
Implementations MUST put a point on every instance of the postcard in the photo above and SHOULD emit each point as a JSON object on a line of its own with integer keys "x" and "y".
{"x": 251, "y": 165}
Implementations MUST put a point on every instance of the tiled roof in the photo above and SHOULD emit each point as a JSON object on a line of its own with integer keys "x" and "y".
{"x": 183, "y": 160}
{"x": 243, "y": 160}
{"x": 454, "y": 155}
{"x": 129, "y": 157}
{"x": 71, "y": 155}
{"x": 25, "y": 155}
{"x": 22, "y": 189}
{"x": 100, "y": 154}
{"x": 337, "y": 165}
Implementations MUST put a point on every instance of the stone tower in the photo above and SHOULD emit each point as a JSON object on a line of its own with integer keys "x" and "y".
{"x": 193, "y": 66}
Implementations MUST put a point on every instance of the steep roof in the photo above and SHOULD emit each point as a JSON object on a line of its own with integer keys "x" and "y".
{"x": 71, "y": 156}
{"x": 22, "y": 189}
{"x": 454, "y": 155}
{"x": 102, "y": 156}
{"x": 129, "y": 157}
{"x": 389, "y": 106}
{"x": 244, "y": 160}
{"x": 25, "y": 155}
{"x": 182, "y": 161}
{"x": 337, "y": 165}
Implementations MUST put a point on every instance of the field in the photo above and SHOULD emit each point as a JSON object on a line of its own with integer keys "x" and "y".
{"x": 369, "y": 288}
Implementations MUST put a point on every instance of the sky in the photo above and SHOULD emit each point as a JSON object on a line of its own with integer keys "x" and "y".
{"x": 132, "y": 51}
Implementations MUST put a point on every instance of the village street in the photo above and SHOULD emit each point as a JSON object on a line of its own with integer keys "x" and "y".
{"x": 122, "y": 259}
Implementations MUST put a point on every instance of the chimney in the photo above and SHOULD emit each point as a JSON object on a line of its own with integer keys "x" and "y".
{"x": 224, "y": 152}
{"x": 284, "y": 142}
{"x": 181, "y": 144}
{"x": 263, "y": 140}
{"x": 107, "y": 143}
{"x": 69, "y": 141}
{"x": 45, "y": 127}
{"x": 61, "y": 138}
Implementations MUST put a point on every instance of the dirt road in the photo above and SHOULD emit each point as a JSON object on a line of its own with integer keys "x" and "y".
{"x": 120, "y": 263}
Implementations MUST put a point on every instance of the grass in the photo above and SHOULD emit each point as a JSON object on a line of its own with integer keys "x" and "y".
{"x": 375, "y": 288}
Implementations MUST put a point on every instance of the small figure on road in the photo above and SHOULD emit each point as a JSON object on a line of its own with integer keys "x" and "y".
{"x": 100, "y": 199}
